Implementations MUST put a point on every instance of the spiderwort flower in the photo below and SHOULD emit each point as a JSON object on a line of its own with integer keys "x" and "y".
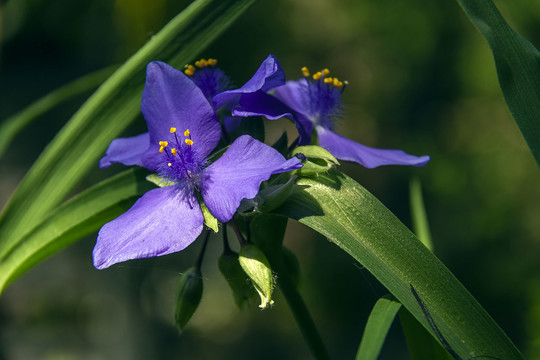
{"x": 182, "y": 131}
{"x": 216, "y": 85}
{"x": 314, "y": 103}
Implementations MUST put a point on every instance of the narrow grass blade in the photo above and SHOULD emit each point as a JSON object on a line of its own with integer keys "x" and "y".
{"x": 80, "y": 216}
{"x": 518, "y": 68}
{"x": 377, "y": 328}
{"x": 13, "y": 125}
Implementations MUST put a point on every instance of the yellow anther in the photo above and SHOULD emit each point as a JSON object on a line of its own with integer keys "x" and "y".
{"x": 201, "y": 63}
{"x": 172, "y": 130}
{"x": 212, "y": 62}
{"x": 189, "y": 142}
{"x": 305, "y": 71}
{"x": 328, "y": 80}
{"x": 163, "y": 143}
{"x": 317, "y": 75}
{"x": 186, "y": 133}
{"x": 161, "y": 149}
{"x": 169, "y": 164}
{"x": 173, "y": 151}
{"x": 190, "y": 70}
{"x": 325, "y": 72}
{"x": 337, "y": 83}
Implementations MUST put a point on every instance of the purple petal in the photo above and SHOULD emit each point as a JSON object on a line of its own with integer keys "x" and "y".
{"x": 127, "y": 151}
{"x": 293, "y": 94}
{"x": 348, "y": 150}
{"x": 268, "y": 76}
{"x": 239, "y": 173}
{"x": 161, "y": 222}
{"x": 261, "y": 104}
{"x": 171, "y": 99}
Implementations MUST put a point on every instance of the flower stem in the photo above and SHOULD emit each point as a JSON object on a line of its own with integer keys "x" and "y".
{"x": 203, "y": 250}
{"x": 298, "y": 307}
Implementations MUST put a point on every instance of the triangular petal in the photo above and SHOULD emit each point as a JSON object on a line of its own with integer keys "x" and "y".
{"x": 163, "y": 221}
{"x": 238, "y": 174}
{"x": 268, "y": 76}
{"x": 127, "y": 151}
{"x": 348, "y": 150}
{"x": 171, "y": 99}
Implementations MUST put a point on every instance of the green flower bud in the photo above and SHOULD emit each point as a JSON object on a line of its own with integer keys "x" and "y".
{"x": 243, "y": 290}
{"x": 188, "y": 296}
{"x": 257, "y": 268}
{"x": 318, "y": 160}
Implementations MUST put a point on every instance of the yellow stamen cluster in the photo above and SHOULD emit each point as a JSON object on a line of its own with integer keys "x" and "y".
{"x": 162, "y": 145}
{"x": 190, "y": 69}
{"x": 173, "y": 151}
{"x": 172, "y": 130}
{"x": 186, "y": 133}
{"x": 323, "y": 74}
{"x": 189, "y": 142}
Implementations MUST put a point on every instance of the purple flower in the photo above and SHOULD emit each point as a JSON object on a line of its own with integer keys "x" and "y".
{"x": 182, "y": 131}
{"x": 314, "y": 103}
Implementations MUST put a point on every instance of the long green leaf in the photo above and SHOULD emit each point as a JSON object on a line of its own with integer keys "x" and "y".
{"x": 14, "y": 124}
{"x": 377, "y": 328}
{"x": 518, "y": 68}
{"x": 80, "y": 216}
{"x": 76, "y": 149}
{"x": 347, "y": 214}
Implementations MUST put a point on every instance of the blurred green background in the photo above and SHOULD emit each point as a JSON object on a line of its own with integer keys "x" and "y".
{"x": 421, "y": 78}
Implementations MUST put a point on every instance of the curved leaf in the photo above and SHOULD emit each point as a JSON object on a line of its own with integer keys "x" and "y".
{"x": 80, "y": 216}
{"x": 518, "y": 68}
{"x": 377, "y": 327}
{"x": 346, "y": 213}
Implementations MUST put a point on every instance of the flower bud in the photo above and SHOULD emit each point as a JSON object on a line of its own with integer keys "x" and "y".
{"x": 318, "y": 160}
{"x": 238, "y": 280}
{"x": 188, "y": 296}
{"x": 257, "y": 268}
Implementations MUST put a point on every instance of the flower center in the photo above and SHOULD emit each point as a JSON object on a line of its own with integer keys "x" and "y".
{"x": 209, "y": 78}
{"x": 322, "y": 97}
{"x": 179, "y": 163}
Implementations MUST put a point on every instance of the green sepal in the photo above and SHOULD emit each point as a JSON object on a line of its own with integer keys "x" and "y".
{"x": 209, "y": 219}
{"x": 159, "y": 181}
{"x": 268, "y": 199}
{"x": 318, "y": 160}
{"x": 256, "y": 266}
{"x": 238, "y": 280}
{"x": 188, "y": 296}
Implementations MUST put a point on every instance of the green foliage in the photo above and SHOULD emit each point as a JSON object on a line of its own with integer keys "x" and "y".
{"x": 377, "y": 327}
{"x": 347, "y": 214}
{"x": 518, "y": 68}
{"x": 82, "y": 215}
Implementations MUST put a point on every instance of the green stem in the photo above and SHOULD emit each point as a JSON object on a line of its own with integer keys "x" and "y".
{"x": 298, "y": 307}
